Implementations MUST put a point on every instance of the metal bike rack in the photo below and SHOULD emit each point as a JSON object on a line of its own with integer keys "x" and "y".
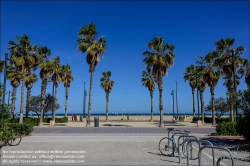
{"x": 228, "y": 157}
{"x": 182, "y": 136}
{"x": 198, "y": 141}
{"x": 215, "y": 147}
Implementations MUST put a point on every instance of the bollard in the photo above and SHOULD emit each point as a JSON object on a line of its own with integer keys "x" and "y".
{"x": 96, "y": 121}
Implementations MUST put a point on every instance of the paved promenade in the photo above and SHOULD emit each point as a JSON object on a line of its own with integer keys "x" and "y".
{"x": 75, "y": 144}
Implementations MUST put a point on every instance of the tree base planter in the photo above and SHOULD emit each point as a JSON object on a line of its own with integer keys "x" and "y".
{"x": 199, "y": 124}
{"x": 52, "y": 123}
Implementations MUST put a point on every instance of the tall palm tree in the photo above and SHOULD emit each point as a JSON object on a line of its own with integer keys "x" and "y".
{"x": 29, "y": 82}
{"x": 107, "y": 85}
{"x": 45, "y": 73}
{"x": 211, "y": 77}
{"x": 148, "y": 81}
{"x": 161, "y": 58}
{"x": 67, "y": 77}
{"x": 56, "y": 78}
{"x": 14, "y": 78}
{"x": 190, "y": 76}
{"x": 200, "y": 70}
{"x": 94, "y": 48}
{"x": 23, "y": 55}
{"x": 224, "y": 62}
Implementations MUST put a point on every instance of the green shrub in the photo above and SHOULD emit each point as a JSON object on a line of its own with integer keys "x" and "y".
{"x": 209, "y": 119}
{"x": 227, "y": 128}
{"x": 5, "y": 134}
{"x": 24, "y": 129}
{"x": 62, "y": 120}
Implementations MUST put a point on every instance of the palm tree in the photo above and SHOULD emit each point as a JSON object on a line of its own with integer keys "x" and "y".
{"x": 94, "y": 48}
{"x": 190, "y": 76}
{"x": 224, "y": 60}
{"x": 67, "y": 77}
{"x": 56, "y": 78}
{"x": 200, "y": 70}
{"x": 45, "y": 73}
{"x": 23, "y": 55}
{"x": 14, "y": 78}
{"x": 29, "y": 81}
{"x": 107, "y": 85}
{"x": 161, "y": 59}
{"x": 148, "y": 82}
{"x": 211, "y": 77}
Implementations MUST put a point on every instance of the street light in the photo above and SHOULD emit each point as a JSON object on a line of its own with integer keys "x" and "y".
{"x": 176, "y": 102}
{"x": 198, "y": 97}
{"x": 172, "y": 93}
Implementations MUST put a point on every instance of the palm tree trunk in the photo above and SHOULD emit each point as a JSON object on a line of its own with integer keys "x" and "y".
{"x": 66, "y": 101}
{"x": 107, "y": 108}
{"x": 90, "y": 98}
{"x": 22, "y": 103}
{"x": 202, "y": 106}
{"x": 231, "y": 107}
{"x": 160, "y": 87}
{"x": 28, "y": 101}
{"x": 151, "y": 96}
{"x": 213, "y": 107}
{"x": 43, "y": 90}
{"x": 55, "y": 103}
{"x": 13, "y": 100}
{"x": 193, "y": 102}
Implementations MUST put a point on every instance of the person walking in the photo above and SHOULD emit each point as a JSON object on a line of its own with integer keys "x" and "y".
{"x": 73, "y": 117}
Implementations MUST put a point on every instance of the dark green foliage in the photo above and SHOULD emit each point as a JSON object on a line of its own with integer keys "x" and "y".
{"x": 35, "y": 102}
{"x": 209, "y": 119}
{"x": 244, "y": 120}
{"x": 62, "y": 120}
{"x": 227, "y": 128}
{"x": 221, "y": 107}
{"x": 5, "y": 134}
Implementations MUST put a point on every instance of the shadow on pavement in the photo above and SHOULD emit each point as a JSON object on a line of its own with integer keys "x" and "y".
{"x": 232, "y": 143}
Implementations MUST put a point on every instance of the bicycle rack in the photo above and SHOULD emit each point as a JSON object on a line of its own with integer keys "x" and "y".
{"x": 182, "y": 136}
{"x": 227, "y": 157}
{"x": 219, "y": 159}
{"x": 198, "y": 141}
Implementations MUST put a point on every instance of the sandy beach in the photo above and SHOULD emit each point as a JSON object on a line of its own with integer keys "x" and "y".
{"x": 142, "y": 117}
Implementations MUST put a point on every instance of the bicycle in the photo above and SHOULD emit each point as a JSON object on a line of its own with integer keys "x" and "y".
{"x": 168, "y": 146}
{"x": 15, "y": 138}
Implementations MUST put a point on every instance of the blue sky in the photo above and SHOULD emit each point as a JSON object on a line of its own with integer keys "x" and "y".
{"x": 191, "y": 26}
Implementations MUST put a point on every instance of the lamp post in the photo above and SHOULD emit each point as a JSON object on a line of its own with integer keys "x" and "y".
{"x": 84, "y": 101}
{"x": 172, "y": 93}
{"x": 176, "y": 102}
{"x": 198, "y": 97}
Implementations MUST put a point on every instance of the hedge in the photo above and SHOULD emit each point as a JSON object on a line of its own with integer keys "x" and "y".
{"x": 209, "y": 119}
{"x": 227, "y": 128}
{"x": 36, "y": 121}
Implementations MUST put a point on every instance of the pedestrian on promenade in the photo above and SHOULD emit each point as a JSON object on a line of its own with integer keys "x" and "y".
{"x": 73, "y": 117}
